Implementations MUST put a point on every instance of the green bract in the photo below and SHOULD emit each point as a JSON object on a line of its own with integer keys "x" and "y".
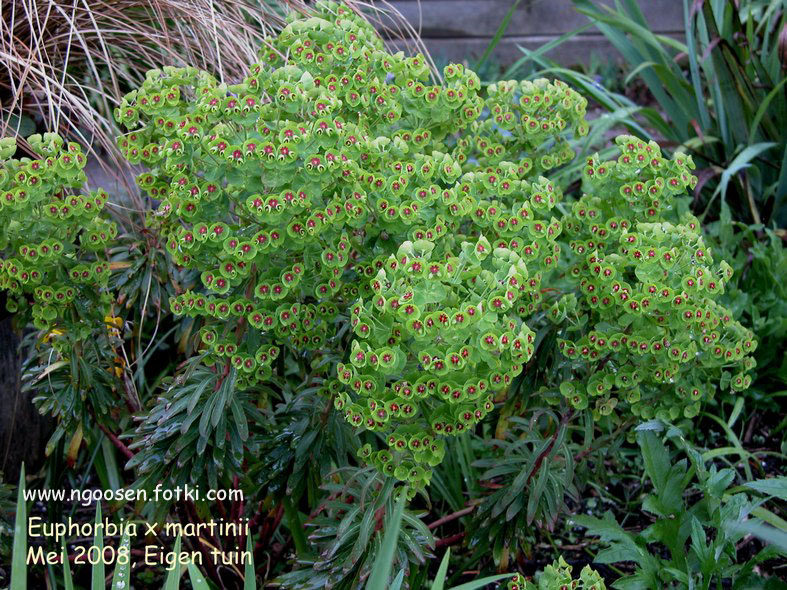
{"x": 650, "y": 335}
{"x": 338, "y": 181}
{"x": 55, "y": 267}
{"x": 438, "y": 337}
{"x": 52, "y": 248}
{"x": 557, "y": 576}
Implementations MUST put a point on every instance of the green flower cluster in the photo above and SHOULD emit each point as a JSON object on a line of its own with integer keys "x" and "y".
{"x": 52, "y": 248}
{"x": 558, "y": 577}
{"x": 290, "y": 192}
{"x": 524, "y": 122}
{"x": 653, "y": 336}
{"x": 439, "y": 337}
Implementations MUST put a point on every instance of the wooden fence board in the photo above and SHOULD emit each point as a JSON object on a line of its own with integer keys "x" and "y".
{"x": 481, "y": 18}
{"x": 576, "y": 50}
{"x": 462, "y": 29}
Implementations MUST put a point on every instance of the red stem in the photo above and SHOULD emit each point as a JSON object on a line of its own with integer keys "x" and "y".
{"x": 452, "y": 516}
{"x": 545, "y": 453}
{"x": 449, "y": 540}
{"x": 128, "y": 453}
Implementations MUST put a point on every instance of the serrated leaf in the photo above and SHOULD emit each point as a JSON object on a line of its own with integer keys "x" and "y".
{"x": 775, "y": 487}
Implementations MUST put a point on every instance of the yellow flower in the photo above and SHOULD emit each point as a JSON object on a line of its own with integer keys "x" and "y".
{"x": 113, "y": 321}
{"x": 52, "y": 334}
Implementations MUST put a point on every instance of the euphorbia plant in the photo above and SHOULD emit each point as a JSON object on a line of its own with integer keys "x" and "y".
{"x": 645, "y": 330}
{"x": 337, "y": 183}
{"x": 557, "y": 576}
{"x": 54, "y": 267}
{"x": 355, "y": 234}
{"x": 389, "y": 235}
{"x": 53, "y": 238}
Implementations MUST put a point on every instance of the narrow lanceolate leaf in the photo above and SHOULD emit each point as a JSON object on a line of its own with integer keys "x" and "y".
{"x": 18, "y": 566}
{"x": 122, "y": 577}
{"x": 742, "y": 161}
{"x": 378, "y": 579}
{"x": 694, "y": 68}
{"x": 173, "y": 577}
{"x": 398, "y": 580}
{"x": 439, "y": 580}
{"x": 68, "y": 583}
{"x": 501, "y": 30}
{"x": 197, "y": 579}
{"x": 98, "y": 542}
{"x": 249, "y": 578}
{"x": 542, "y": 50}
{"x": 476, "y": 584}
{"x": 762, "y": 111}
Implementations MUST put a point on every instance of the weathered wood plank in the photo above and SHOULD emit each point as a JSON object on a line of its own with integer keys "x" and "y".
{"x": 481, "y": 18}
{"x": 576, "y": 50}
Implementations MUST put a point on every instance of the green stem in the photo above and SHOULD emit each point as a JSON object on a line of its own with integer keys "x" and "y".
{"x": 295, "y": 526}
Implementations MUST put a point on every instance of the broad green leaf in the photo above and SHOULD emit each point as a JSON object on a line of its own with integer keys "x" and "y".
{"x": 296, "y": 528}
{"x": 736, "y": 412}
{"x": 775, "y": 486}
{"x": 654, "y": 425}
{"x": 656, "y": 458}
{"x": 398, "y": 581}
{"x": 21, "y": 126}
{"x": 624, "y": 548}
{"x": 768, "y": 534}
{"x": 769, "y": 517}
{"x": 240, "y": 420}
